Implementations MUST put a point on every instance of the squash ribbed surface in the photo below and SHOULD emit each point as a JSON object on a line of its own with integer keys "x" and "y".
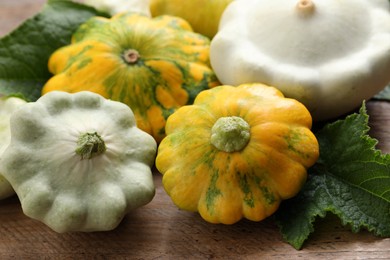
{"x": 250, "y": 177}
{"x": 153, "y": 65}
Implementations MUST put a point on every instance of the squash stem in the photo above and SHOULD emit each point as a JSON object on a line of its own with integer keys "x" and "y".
{"x": 305, "y": 7}
{"x": 131, "y": 56}
{"x": 90, "y": 145}
{"x": 230, "y": 134}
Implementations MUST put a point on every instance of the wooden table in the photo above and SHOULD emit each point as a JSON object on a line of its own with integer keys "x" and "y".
{"x": 160, "y": 231}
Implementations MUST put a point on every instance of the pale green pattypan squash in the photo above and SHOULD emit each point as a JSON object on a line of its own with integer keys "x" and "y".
{"x": 78, "y": 162}
{"x": 7, "y": 107}
{"x": 330, "y": 55}
{"x": 114, "y": 7}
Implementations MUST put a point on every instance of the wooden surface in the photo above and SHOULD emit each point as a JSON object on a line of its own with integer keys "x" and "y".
{"x": 160, "y": 231}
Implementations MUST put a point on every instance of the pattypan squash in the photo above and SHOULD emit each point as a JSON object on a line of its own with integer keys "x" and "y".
{"x": 330, "y": 55}
{"x": 236, "y": 152}
{"x": 203, "y": 15}
{"x": 114, "y": 7}
{"x": 8, "y": 105}
{"x": 78, "y": 162}
{"x": 154, "y": 65}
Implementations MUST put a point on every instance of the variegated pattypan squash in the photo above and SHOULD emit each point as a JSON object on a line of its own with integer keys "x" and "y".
{"x": 236, "y": 152}
{"x": 7, "y": 107}
{"x": 153, "y": 65}
{"x": 78, "y": 162}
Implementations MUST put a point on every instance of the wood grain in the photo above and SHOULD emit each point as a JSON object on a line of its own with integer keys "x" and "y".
{"x": 161, "y": 231}
{"x": 13, "y": 13}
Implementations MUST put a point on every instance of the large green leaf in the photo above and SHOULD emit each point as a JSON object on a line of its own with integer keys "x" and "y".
{"x": 351, "y": 180}
{"x": 24, "y": 53}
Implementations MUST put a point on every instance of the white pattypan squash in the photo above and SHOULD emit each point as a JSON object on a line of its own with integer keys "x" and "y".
{"x": 330, "y": 55}
{"x": 78, "y": 162}
{"x": 113, "y": 7}
{"x": 7, "y": 107}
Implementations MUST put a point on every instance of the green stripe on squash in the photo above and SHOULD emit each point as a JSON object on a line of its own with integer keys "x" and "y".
{"x": 154, "y": 65}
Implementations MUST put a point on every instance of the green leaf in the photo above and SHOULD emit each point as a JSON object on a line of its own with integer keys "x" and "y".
{"x": 351, "y": 179}
{"x": 384, "y": 94}
{"x": 24, "y": 53}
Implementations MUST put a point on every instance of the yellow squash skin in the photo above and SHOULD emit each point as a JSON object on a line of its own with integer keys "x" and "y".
{"x": 203, "y": 15}
{"x": 153, "y": 65}
{"x": 249, "y": 182}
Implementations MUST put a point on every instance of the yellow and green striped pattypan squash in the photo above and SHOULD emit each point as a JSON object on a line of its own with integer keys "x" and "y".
{"x": 236, "y": 152}
{"x": 154, "y": 65}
